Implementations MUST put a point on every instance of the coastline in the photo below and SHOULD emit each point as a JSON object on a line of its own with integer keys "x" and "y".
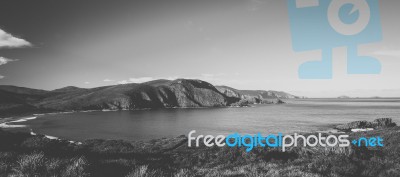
{"x": 5, "y": 125}
{"x": 173, "y": 157}
{"x": 8, "y": 123}
{"x": 4, "y": 122}
{"x": 324, "y": 129}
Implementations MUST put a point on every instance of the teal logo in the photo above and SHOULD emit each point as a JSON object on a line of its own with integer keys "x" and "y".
{"x": 368, "y": 142}
{"x": 326, "y": 24}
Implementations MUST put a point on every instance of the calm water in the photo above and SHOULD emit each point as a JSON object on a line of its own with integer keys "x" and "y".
{"x": 296, "y": 116}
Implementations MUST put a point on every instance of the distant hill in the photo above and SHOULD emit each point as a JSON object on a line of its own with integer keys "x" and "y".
{"x": 255, "y": 96}
{"x": 14, "y": 103}
{"x": 343, "y": 97}
{"x": 154, "y": 94}
{"x": 68, "y": 89}
{"x": 22, "y": 90}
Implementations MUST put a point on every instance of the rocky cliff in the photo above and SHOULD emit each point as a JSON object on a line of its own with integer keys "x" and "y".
{"x": 154, "y": 94}
{"x": 256, "y": 96}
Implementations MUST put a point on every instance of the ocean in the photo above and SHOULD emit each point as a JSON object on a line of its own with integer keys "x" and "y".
{"x": 297, "y": 116}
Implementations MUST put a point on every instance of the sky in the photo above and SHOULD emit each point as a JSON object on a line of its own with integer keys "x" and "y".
{"x": 245, "y": 44}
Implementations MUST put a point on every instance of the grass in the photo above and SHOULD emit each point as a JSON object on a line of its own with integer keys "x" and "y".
{"x": 25, "y": 155}
{"x": 37, "y": 164}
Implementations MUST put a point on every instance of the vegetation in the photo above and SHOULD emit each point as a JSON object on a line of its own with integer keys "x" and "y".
{"x": 24, "y": 155}
{"x": 19, "y": 101}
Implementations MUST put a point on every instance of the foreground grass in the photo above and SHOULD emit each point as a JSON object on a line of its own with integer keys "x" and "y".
{"x": 25, "y": 155}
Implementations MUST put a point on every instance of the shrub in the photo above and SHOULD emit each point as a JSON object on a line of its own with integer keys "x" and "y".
{"x": 144, "y": 171}
{"x": 54, "y": 167}
{"x": 30, "y": 165}
{"x": 7, "y": 159}
{"x": 184, "y": 173}
{"x": 77, "y": 168}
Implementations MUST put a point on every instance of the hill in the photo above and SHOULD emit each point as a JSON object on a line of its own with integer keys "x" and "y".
{"x": 68, "y": 89}
{"x": 255, "y": 96}
{"x": 343, "y": 97}
{"x": 12, "y": 104}
{"x": 179, "y": 93}
{"x": 22, "y": 90}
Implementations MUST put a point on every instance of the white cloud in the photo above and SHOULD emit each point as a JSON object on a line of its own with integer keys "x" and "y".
{"x": 1, "y": 77}
{"x": 87, "y": 82}
{"x": 144, "y": 79}
{"x": 172, "y": 78}
{"x": 140, "y": 79}
{"x": 4, "y": 61}
{"x": 216, "y": 79}
{"x": 123, "y": 82}
{"x": 107, "y": 80}
{"x": 392, "y": 53}
{"x": 205, "y": 77}
{"x": 9, "y": 41}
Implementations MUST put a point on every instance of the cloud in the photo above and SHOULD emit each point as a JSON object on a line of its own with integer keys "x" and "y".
{"x": 9, "y": 41}
{"x": 136, "y": 80}
{"x": 123, "y": 82}
{"x": 172, "y": 78}
{"x": 4, "y": 61}
{"x": 107, "y": 80}
{"x": 87, "y": 82}
{"x": 144, "y": 79}
{"x": 391, "y": 53}
{"x": 141, "y": 79}
{"x": 205, "y": 77}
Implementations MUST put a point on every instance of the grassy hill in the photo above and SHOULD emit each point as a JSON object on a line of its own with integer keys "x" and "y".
{"x": 153, "y": 94}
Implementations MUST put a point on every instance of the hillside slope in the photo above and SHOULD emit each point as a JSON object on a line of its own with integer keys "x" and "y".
{"x": 12, "y": 104}
{"x": 179, "y": 93}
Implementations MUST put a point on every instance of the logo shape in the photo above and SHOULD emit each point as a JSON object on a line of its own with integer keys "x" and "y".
{"x": 326, "y": 24}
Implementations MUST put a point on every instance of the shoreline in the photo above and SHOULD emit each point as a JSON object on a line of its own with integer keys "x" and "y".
{"x": 5, "y": 121}
{"x": 19, "y": 116}
{"x": 172, "y": 155}
{"x": 8, "y": 124}
{"x": 329, "y": 128}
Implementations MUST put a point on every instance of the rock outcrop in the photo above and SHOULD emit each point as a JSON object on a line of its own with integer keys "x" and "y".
{"x": 256, "y": 96}
{"x": 377, "y": 123}
{"x": 383, "y": 122}
{"x": 197, "y": 93}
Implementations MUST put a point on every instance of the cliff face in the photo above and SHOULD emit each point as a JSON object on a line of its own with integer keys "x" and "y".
{"x": 196, "y": 93}
{"x": 255, "y": 96}
{"x": 153, "y": 94}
